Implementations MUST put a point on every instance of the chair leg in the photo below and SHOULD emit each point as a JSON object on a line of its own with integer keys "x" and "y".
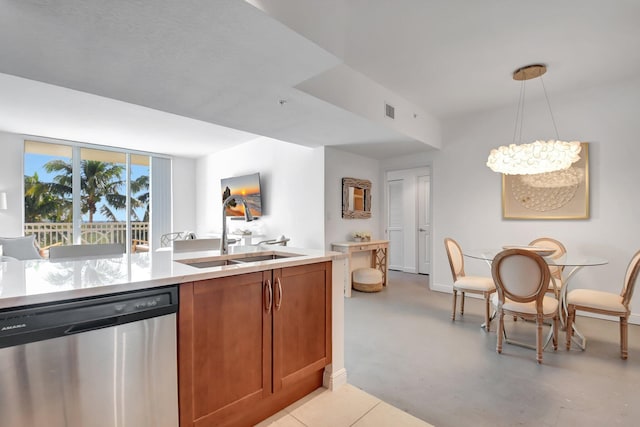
{"x": 455, "y": 298}
{"x": 500, "y": 331}
{"x": 555, "y": 333}
{"x": 462, "y": 304}
{"x": 487, "y": 318}
{"x": 571, "y": 314}
{"x": 623, "y": 337}
{"x": 539, "y": 322}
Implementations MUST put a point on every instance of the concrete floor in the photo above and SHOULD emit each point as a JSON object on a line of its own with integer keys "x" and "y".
{"x": 402, "y": 347}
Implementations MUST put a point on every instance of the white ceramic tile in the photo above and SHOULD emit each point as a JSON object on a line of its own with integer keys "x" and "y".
{"x": 305, "y": 399}
{"x": 281, "y": 419}
{"x": 384, "y": 415}
{"x": 339, "y": 408}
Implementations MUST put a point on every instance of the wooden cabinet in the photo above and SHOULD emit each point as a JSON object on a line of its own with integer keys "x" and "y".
{"x": 251, "y": 344}
{"x": 301, "y": 322}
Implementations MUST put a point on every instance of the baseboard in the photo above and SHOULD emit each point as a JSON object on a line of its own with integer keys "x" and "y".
{"x": 411, "y": 270}
{"x": 438, "y": 287}
{"x": 335, "y": 380}
{"x": 448, "y": 289}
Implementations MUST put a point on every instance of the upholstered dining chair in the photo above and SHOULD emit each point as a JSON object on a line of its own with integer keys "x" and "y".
{"x": 191, "y": 245}
{"x": 463, "y": 283}
{"x": 168, "y": 238}
{"x": 21, "y": 248}
{"x": 65, "y": 252}
{"x": 522, "y": 279}
{"x": 607, "y": 303}
{"x": 555, "y": 270}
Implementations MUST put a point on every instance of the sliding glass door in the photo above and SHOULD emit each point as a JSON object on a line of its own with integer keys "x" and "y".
{"x": 83, "y": 195}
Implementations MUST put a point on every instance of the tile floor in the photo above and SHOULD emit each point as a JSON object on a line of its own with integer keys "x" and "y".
{"x": 347, "y": 406}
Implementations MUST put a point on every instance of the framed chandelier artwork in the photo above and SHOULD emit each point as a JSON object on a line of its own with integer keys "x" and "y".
{"x": 561, "y": 194}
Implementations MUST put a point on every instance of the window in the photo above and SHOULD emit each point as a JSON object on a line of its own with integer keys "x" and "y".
{"x": 79, "y": 194}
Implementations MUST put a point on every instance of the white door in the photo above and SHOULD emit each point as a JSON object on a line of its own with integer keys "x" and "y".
{"x": 408, "y": 212}
{"x": 424, "y": 225}
{"x": 395, "y": 230}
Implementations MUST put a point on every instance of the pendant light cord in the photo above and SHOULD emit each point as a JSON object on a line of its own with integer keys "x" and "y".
{"x": 519, "y": 115}
{"x": 544, "y": 89}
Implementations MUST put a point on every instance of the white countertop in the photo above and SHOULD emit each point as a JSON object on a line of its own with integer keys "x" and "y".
{"x": 43, "y": 281}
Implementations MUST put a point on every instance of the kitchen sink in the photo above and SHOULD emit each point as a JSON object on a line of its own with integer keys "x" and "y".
{"x": 259, "y": 258}
{"x": 234, "y": 260}
{"x": 206, "y": 264}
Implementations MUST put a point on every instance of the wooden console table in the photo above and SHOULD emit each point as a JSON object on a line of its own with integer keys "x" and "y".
{"x": 379, "y": 260}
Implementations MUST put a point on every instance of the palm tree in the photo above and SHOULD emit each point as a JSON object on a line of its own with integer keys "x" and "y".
{"x": 118, "y": 200}
{"x": 137, "y": 185}
{"x": 41, "y": 204}
{"x": 98, "y": 181}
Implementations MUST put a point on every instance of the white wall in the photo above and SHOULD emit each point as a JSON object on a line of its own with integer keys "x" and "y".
{"x": 353, "y": 91}
{"x": 466, "y": 194}
{"x": 292, "y": 186}
{"x": 11, "y": 181}
{"x": 341, "y": 164}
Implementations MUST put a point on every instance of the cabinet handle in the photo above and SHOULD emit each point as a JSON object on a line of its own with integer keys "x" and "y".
{"x": 269, "y": 296}
{"x": 279, "y": 301}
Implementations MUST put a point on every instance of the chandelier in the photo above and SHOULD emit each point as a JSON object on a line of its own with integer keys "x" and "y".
{"x": 539, "y": 156}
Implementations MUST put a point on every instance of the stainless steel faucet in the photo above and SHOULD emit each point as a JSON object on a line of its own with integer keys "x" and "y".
{"x": 224, "y": 244}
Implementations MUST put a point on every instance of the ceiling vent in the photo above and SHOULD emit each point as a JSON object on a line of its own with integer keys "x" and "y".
{"x": 389, "y": 111}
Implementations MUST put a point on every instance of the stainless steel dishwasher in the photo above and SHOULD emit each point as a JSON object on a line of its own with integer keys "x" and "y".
{"x": 108, "y": 361}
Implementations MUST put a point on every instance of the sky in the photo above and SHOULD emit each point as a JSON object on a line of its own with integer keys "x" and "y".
{"x": 34, "y": 163}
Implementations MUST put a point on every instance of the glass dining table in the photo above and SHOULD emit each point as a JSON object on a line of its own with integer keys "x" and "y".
{"x": 571, "y": 263}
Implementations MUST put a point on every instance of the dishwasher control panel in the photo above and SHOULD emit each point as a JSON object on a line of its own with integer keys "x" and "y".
{"x": 34, "y": 323}
{"x": 143, "y": 304}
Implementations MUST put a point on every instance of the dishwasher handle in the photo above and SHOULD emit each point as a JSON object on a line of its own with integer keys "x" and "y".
{"x": 91, "y": 326}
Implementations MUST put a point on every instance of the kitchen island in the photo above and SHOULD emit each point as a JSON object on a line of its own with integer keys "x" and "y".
{"x": 254, "y": 334}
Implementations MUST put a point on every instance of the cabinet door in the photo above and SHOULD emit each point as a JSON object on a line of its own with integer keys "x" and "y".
{"x": 301, "y": 322}
{"x": 225, "y": 348}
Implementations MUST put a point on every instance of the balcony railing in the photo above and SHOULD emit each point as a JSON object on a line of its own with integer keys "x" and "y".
{"x": 48, "y": 234}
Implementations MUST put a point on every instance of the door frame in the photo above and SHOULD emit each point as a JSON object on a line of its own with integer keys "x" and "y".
{"x": 427, "y": 247}
{"x": 419, "y": 170}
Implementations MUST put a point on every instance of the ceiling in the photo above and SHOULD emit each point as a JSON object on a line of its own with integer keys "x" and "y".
{"x": 193, "y": 77}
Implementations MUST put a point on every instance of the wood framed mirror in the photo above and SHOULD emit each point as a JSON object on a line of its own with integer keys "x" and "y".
{"x": 356, "y": 198}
